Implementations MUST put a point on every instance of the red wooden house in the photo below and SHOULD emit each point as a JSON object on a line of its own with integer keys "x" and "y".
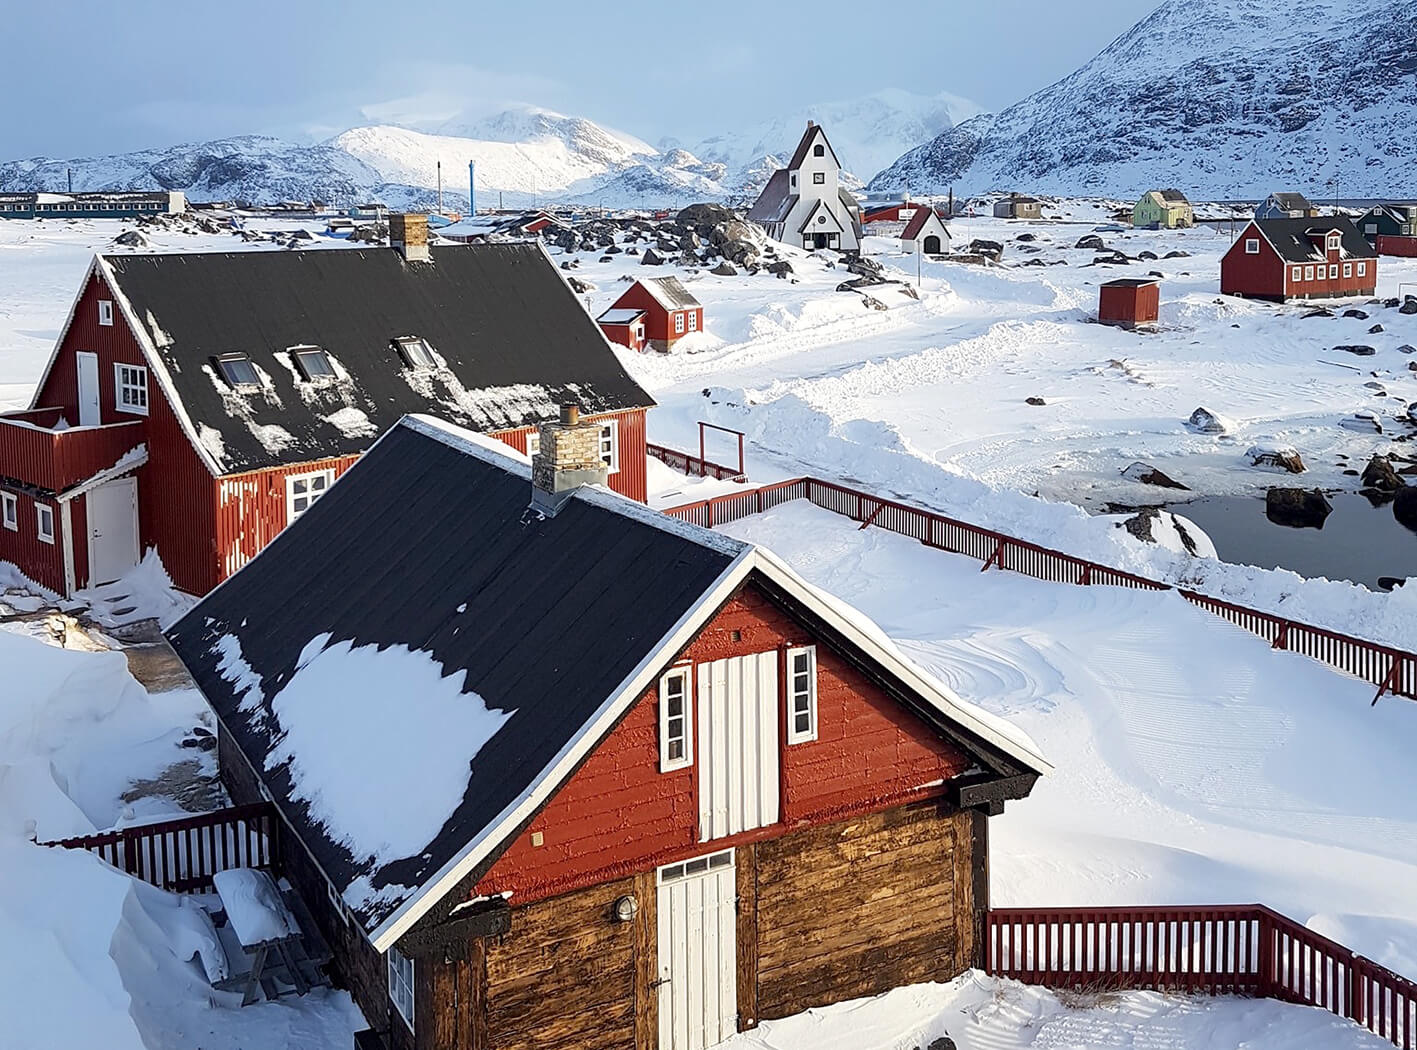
{"x": 1306, "y": 258}
{"x": 196, "y": 404}
{"x": 687, "y": 791}
{"x": 1129, "y": 302}
{"x": 666, "y": 313}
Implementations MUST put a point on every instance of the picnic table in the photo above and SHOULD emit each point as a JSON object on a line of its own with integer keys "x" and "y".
{"x": 275, "y": 930}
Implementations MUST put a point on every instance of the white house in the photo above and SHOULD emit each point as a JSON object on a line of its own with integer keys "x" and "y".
{"x": 804, "y": 204}
{"x": 925, "y": 232}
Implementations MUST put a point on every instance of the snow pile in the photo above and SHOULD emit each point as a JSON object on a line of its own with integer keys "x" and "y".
{"x": 253, "y": 906}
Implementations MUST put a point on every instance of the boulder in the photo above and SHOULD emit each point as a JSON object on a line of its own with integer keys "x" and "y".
{"x": 614, "y": 249}
{"x": 1407, "y": 348}
{"x": 1112, "y": 258}
{"x": 1404, "y": 507}
{"x": 1297, "y": 508}
{"x": 1034, "y": 401}
{"x": 1364, "y": 422}
{"x": 864, "y": 266}
{"x": 1357, "y": 350}
{"x": 1026, "y": 237}
{"x": 732, "y": 230}
{"x": 744, "y": 253}
{"x": 651, "y": 258}
{"x": 1361, "y": 315}
{"x": 1318, "y": 311}
{"x": 131, "y": 239}
{"x": 1378, "y": 474}
{"x": 689, "y": 241}
{"x": 942, "y": 1043}
{"x": 705, "y": 215}
{"x": 781, "y": 267}
{"x": 1154, "y": 525}
{"x": 1177, "y": 255}
{"x": 991, "y": 250}
{"x": 1375, "y": 329}
{"x": 1033, "y": 262}
{"x": 1409, "y": 306}
{"x": 872, "y": 303}
{"x": 1147, "y": 256}
{"x": 725, "y": 269}
{"x": 1149, "y": 475}
{"x": 1280, "y": 457}
{"x": 570, "y": 264}
{"x": 1092, "y": 241}
{"x": 580, "y": 286}
{"x": 1204, "y": 421}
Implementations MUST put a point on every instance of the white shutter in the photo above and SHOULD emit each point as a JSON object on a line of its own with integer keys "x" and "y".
{"x": 737, "y": 745}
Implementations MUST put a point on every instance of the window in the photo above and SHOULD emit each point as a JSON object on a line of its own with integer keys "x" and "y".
{"x": 131, "y": 394}
{"x": 533, "y": 443}
{"x": 304, "y": 490}
{"x": 1370, "y": 227}
{"x": 44, "y": 522}
{"x": 1333, "y": 241}
{"x": 676, "y": 735}
{"x": 401, "y": 985}
{"x": 1333, "y": 272}
{"x": 1298, "y": 273}
{"x": 801, "y": 695}
{"x": 1308, "y": 273}
{"x": 693, "y": 320}
{"x": 1347, "y": 269}
{"x": 794, "y": 180}
{"x": 1362, "y": 269}
{"x": 416, "y": 352}
{"x": 238, "y": 370}
{"x": 819, "y": 178}
{"x": 1252, "y": 246}
{"x": 105, "y": 312}
{"x": 10, "y": 511}
{"x": 819, "y": 150}
{"x": 610, "y": 445}
{"x": 313, "y": 362}
{"x": 679, "y": 324}
{"x": 697, "y": 866}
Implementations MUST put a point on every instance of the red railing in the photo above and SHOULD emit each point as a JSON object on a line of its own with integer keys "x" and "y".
{"x": 695, "y": 465}
{"x": 1226, "y": 949}
{"x": 57, "y": 459}
{"x": 1390, "y": 669}
{"x": 182, "y": 855}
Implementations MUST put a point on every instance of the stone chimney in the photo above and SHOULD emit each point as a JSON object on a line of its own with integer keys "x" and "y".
{"x": 568, "y": 458}
{"x": 408, "y": 233}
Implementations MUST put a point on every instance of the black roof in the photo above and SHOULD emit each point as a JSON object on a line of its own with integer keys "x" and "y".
{"x": 513, "y": 339}
{"x": 426, "y": 543}
{"x": 1174, "y": 196}
{"x": 1291, "y": 201}
{"x": 769, "y": 207}
{"x": 1290, "y": 237}
{"x": 1131, "y": 282}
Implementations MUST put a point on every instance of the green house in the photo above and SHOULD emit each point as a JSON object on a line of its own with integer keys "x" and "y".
{"x": 1163, "y": 210}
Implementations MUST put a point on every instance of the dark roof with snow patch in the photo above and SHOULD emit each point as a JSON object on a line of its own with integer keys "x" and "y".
{"x": 670, "y": 293}
{"x": 1290, "y": 237}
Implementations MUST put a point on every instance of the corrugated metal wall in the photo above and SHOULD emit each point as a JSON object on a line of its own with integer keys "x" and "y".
{"x": 40, "y": 561}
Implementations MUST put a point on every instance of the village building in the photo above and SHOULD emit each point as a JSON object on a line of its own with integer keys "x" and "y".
{"x": 1130, "y": 302}
{"x": 1308, "y": 258}
{"x": 653, "y": 313}
{"x": 1017, "y": 207}
{"x": 598, "y": 777}
{"x": 1391, "y": 228}
{"x": 925, "y": 232}
{"x": 1163, "y": 210}
{"x": 196, "y": 404}
{"x": 1285, "y": 206}
{"x": 804, "y": 204}
{"x": 114, "y": 205}
{"x": 474, "y": 229}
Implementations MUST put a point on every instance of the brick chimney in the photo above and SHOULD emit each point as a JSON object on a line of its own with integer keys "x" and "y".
{"x": 568, "y": 458}
{"x": 408, "y": 233}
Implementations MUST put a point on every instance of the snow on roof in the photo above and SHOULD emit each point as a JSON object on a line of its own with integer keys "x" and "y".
{"x": 669, "y": 293}
{"x": 620, "y": 316}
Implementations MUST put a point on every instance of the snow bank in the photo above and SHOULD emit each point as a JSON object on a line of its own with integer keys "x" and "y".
{"x": 253, "y": 906}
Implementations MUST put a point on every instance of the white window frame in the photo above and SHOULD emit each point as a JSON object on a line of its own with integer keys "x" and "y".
{"x": 1347, "y": 269}
{"x": 533, "y": 443}
{"x": 1334, "y": 242}
{"x": 291, "y": 495}
{"x": 1370, "y": 227}
{"x": 1252, "y": 245}
{"x": 1298, "y": 273}
{"x": 10, "y": 511}
{"x": 412, "y": 349}
{"x": 401, "y": 985}
{"x": 819, "y": 178}
{"x": 105, "y": 312}
{"x": 42, "y": 511}
{"x": 610, "y": 445}
{"x": 679, "y": 322}
{"x": 1308, "y": 273}
{"x": 305, "y": 374}
{"x": 684, "y": 675}
{"x": 130, "y": 381}
{"x": 693, "y": 320}
{"x": 697, "y": 866}
{"x": 1333, "y": 272}
{"x": 800, "y": 700}
{"x": 1362, "y": 269}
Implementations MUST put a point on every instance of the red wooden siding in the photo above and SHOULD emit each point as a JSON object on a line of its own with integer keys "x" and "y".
{"x": 623, "y": 334}
{"x": 618, "y": 814}
{"x": 57, "y": 460}
{"x": 41, "y": 562}
{"x": 1126, "y": 304}
{"x": 659, "y": 322}
{"x": 1267, "y": 276}
{"x": 1392, "y": 245}
{"x": 631, "y": 479}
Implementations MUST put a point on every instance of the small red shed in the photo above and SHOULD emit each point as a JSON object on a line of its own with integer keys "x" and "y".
{"x": 669, "y": 312}
{"x": 624, "y": 325}
{"x": 1130, "y": 301}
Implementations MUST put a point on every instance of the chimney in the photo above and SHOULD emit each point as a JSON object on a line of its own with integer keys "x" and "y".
{"x": 408, "y": 232}
{"x": 811, "y": 124}
{"x": 568, "y": 458}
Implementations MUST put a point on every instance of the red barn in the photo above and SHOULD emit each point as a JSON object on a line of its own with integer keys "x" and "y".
{"x": 1308, "y": 258}
{"x": 196, "y": 404}
{"x": 1129, "y": 302}
{"x": 670, "y": 312}
{"x": 687, "y": 791}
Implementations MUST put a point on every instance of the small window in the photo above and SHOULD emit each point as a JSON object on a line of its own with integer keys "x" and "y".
{"x": 676, "y": 735}
{"x": 693, "y": 320}
{"x": 10, "y": 511}
{"x": 794, "y": 180}
{"x": 1362, "y": 269}
{"x": 416, "y": 352}
{"x": 401, "y": 985}
{"x": 819, "y": 178}
{"x": 1333, "y": 242}
{"x": 1347, "y": 269}
{"x": 1298, "y": 273}
{"x": 1308, "y": 273}
{"x": 533, "y": 443}
{"x": 697, "y": 866}
{"x": 44, "y": 522}
{"x": 801, "y": 695}
{"x": 1370, "y": 227}
{"x": 105, "y": 312}
{"x": 131, "y": 394}
{"x": 1333, "y": 272}
{"x": 238, "y": 370}
{"x": 1252, "y": 246}
{"x": 679, "y": 324}
{"x": 303, "y": 491}
{"x": 313, "y": 362}
{"x": 610, "y": 445}
{"x": 819, "y": 150}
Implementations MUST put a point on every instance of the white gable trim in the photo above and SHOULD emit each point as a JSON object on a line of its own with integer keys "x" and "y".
{"x": 810, "y": 225}
{"x": 63, "y": 334}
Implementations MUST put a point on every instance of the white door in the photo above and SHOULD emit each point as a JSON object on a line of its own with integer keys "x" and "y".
{"x": 113, "y": 530}
{"x": 87, "y": 364}
{"x": 738, "y": 765}
{"x": 698, "y": 952}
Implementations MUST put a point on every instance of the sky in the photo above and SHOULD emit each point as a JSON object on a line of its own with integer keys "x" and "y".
{"x": 150, "y": 73}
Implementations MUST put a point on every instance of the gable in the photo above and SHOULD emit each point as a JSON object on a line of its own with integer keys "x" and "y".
{"x": 805, "y": 153}
{"x": 813, "y": 222}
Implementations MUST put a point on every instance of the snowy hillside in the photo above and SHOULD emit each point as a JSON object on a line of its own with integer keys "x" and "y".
{"x": 1223, "y": 98}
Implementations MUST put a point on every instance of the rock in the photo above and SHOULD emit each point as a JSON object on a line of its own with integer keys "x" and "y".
{"x": 1387, "y": 583}
{"x": 1282, "y": 457}
{"x": 1033, "y": 262}
{"x": 709, "y": 215}
{"x": 1361, "y": 315}
{"x": 651, "y": 258}
{"x": 1151, "y": 525}
{"x": 689, "y": 241}
{"x": 570, "y": 264}
{"x": 1155, "y": 273}
{"x": 1034, "y": 401}
{"x": 742, "y": 252}
{"x": 1177, "y": 255}
{"x": 1206, "y": 422}
{"x": 1404, "y": 507}
{"x": 909, "y": 290}
{"x": 614, "y": 249}
{"x": 1026, "y": 237}
{"x": 1092, "y": 241}
{"x": 732, "y": 230}
{"x": 1147, "y": 256}
{"x": 781, "y": 267}
{"x": 1297, "y": 508}
{"x": 131, "y": 239}
{"x": 1407, "y": 348}
{"x": 1375, "y": 329}
{"x": 1149, "y": 475}
{"x": 864, "y": 266}
{"x": 1378, "y": 474}
{"x": 872, "y": 303}
{"x": 1318, "y": 311}
{"x": 201, "y": 731}
{"x": 1112, "y": 258}
{"x": 1357, "y": 350}
{"x": 1409, "y": 306}
{"x": 579, "y": 286}
{"x": 991, "y": 250}
{"x": 725, "y": 269}
{"x": 1364, "y": 422}
{"x": 632, "y": 251}
{"x": 606, "y": 258}
{"x": 942, "y": 1043}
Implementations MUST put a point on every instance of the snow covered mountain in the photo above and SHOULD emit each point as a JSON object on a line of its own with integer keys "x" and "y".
{"x": 1222, "y": 98}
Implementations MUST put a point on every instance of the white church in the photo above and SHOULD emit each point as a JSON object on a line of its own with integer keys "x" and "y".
{"x": 804, "y": 204}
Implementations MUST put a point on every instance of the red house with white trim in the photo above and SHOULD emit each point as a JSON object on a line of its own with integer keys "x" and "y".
{"x": 1305, "y": 258}
{"x": 196, "y": 404}
{"x": 654, "y": 311}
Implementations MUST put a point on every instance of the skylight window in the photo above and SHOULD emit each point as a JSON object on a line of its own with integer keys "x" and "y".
{"x": 416, "y": 352}
{"x": 238, "y": 370}
{"x": 313, "y": 363}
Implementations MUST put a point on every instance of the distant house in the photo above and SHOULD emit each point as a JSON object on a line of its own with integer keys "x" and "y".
{"x": 1391, "y": 228}
{"x": 555, "y": 770}
{"x": 1285, "y": 206}
{"x": 889, "y": 211}
{"x": 114, "y": 205}
{"x": 1016, "y": 207}
{"x": 804, "y": 203}
{"x": 1309, "y": 258}
{"x": 197, "y": 404}
{"x": 1163, "y": 210}
{"x": 663, "y": 310}
{"x": 1130, "y": 302}
{"x": 496, "y": 226}
{"x": 925, "y": 232}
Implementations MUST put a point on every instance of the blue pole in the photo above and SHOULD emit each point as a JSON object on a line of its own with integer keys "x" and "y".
{"x": 471, "y": 187}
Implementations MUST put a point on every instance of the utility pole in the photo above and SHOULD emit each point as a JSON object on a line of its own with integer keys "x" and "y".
{"x": 440, "y": 187}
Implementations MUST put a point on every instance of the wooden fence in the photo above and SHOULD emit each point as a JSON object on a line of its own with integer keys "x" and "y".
{"x": 697, "y": 466}
{"x": 182, "y": 855}
{"x": 1390, "y": 669}
{"x": 1234, "y": 950}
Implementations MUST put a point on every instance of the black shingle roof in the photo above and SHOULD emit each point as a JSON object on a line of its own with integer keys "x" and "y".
{"x": 515, "y": 341}
{"x": 1290, "y": 237}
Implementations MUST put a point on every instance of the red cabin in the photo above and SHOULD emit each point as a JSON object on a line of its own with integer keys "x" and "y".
{"x": 667, "y": 310}
{"x": 1307, "y": 258}
{"x": 196, "y": 404}
{"x": 1130, "y": 302}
